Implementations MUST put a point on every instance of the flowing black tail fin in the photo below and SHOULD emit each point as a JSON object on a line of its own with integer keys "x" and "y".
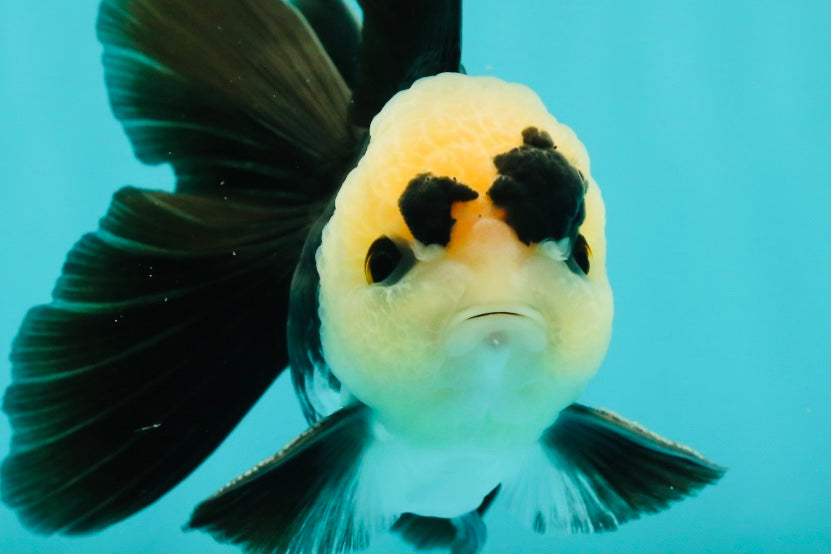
{"x": 168, "y": 322}
{"x": 234, "y": 95}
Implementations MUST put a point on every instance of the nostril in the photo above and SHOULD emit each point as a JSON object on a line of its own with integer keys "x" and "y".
{"x": 486, "y": 242}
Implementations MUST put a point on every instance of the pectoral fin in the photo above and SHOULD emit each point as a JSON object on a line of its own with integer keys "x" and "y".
{"x": 596, "y": 470}
{"x": 301, "y": 500}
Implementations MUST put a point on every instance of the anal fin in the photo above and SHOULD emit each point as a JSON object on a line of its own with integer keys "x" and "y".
{"x": 465, "y": 534}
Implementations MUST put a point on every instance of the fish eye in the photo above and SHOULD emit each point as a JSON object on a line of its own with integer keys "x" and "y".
{"x": 580, "y": 255}
{"x": 387, "y": 261}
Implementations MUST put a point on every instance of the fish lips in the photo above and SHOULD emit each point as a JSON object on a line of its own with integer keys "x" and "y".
{"x": 496, "y": 327}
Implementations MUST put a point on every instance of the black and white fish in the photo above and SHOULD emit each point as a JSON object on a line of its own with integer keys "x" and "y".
{"x": 424, "y": 249}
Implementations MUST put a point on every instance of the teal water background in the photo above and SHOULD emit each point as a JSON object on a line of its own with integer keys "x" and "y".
{"x": 709, "y": 129}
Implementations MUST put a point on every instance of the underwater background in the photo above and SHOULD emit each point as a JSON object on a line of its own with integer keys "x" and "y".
{"x": 709, "y": 128}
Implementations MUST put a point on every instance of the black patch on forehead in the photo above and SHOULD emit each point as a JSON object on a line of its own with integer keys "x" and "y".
{"x": 425, "y": 205}
{"x": 531, "y": 136}
{"x": 541, "y": 193}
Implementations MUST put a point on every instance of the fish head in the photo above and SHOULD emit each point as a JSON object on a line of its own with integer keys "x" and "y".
{"x": 463, "y": 287}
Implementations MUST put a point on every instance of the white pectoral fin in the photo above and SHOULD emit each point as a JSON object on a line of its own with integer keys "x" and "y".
{"x": 594, "y": 470}
{"x": 301, "y": 500}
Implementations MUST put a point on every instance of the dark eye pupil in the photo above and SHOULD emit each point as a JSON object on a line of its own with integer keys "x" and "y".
{"x": 580, "y": 254}
{"x": 387, "y": 261}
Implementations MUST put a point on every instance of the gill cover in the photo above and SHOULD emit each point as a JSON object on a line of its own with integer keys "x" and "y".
{"x": 444, "y": 186}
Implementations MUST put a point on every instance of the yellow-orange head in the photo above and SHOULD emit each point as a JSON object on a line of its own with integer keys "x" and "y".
{"x": 456, "y": 307}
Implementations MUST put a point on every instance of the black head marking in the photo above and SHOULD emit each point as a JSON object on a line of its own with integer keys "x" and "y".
{"x": 541, "y": 193}
{"x": 531, "y": 136}
{"x": 425, "y": 205}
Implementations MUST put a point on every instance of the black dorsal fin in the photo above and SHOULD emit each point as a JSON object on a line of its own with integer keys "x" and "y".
{"x": 402, "y": 42}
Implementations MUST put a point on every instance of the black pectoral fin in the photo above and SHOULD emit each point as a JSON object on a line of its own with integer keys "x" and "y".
{"x": 166, "y": 326}
{"x": 609, "y": 470}
{"x": 402, "y": 42}
{"x": 232, "y": 94}
{"x": 300, "y": 501}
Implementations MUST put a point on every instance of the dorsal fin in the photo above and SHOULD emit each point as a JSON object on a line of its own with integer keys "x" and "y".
{"x": 402, "y": 42}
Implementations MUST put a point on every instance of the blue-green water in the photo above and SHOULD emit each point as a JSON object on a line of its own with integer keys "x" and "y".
{"x": 708, "y": 127}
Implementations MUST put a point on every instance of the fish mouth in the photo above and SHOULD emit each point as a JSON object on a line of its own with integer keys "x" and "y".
{"x": 494, "y": 313}
{"x": 476, "y": 312}
{"x": 495, "y": 326}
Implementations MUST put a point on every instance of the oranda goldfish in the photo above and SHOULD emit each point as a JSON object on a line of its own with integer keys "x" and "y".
{"x": 423, "y": 248}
